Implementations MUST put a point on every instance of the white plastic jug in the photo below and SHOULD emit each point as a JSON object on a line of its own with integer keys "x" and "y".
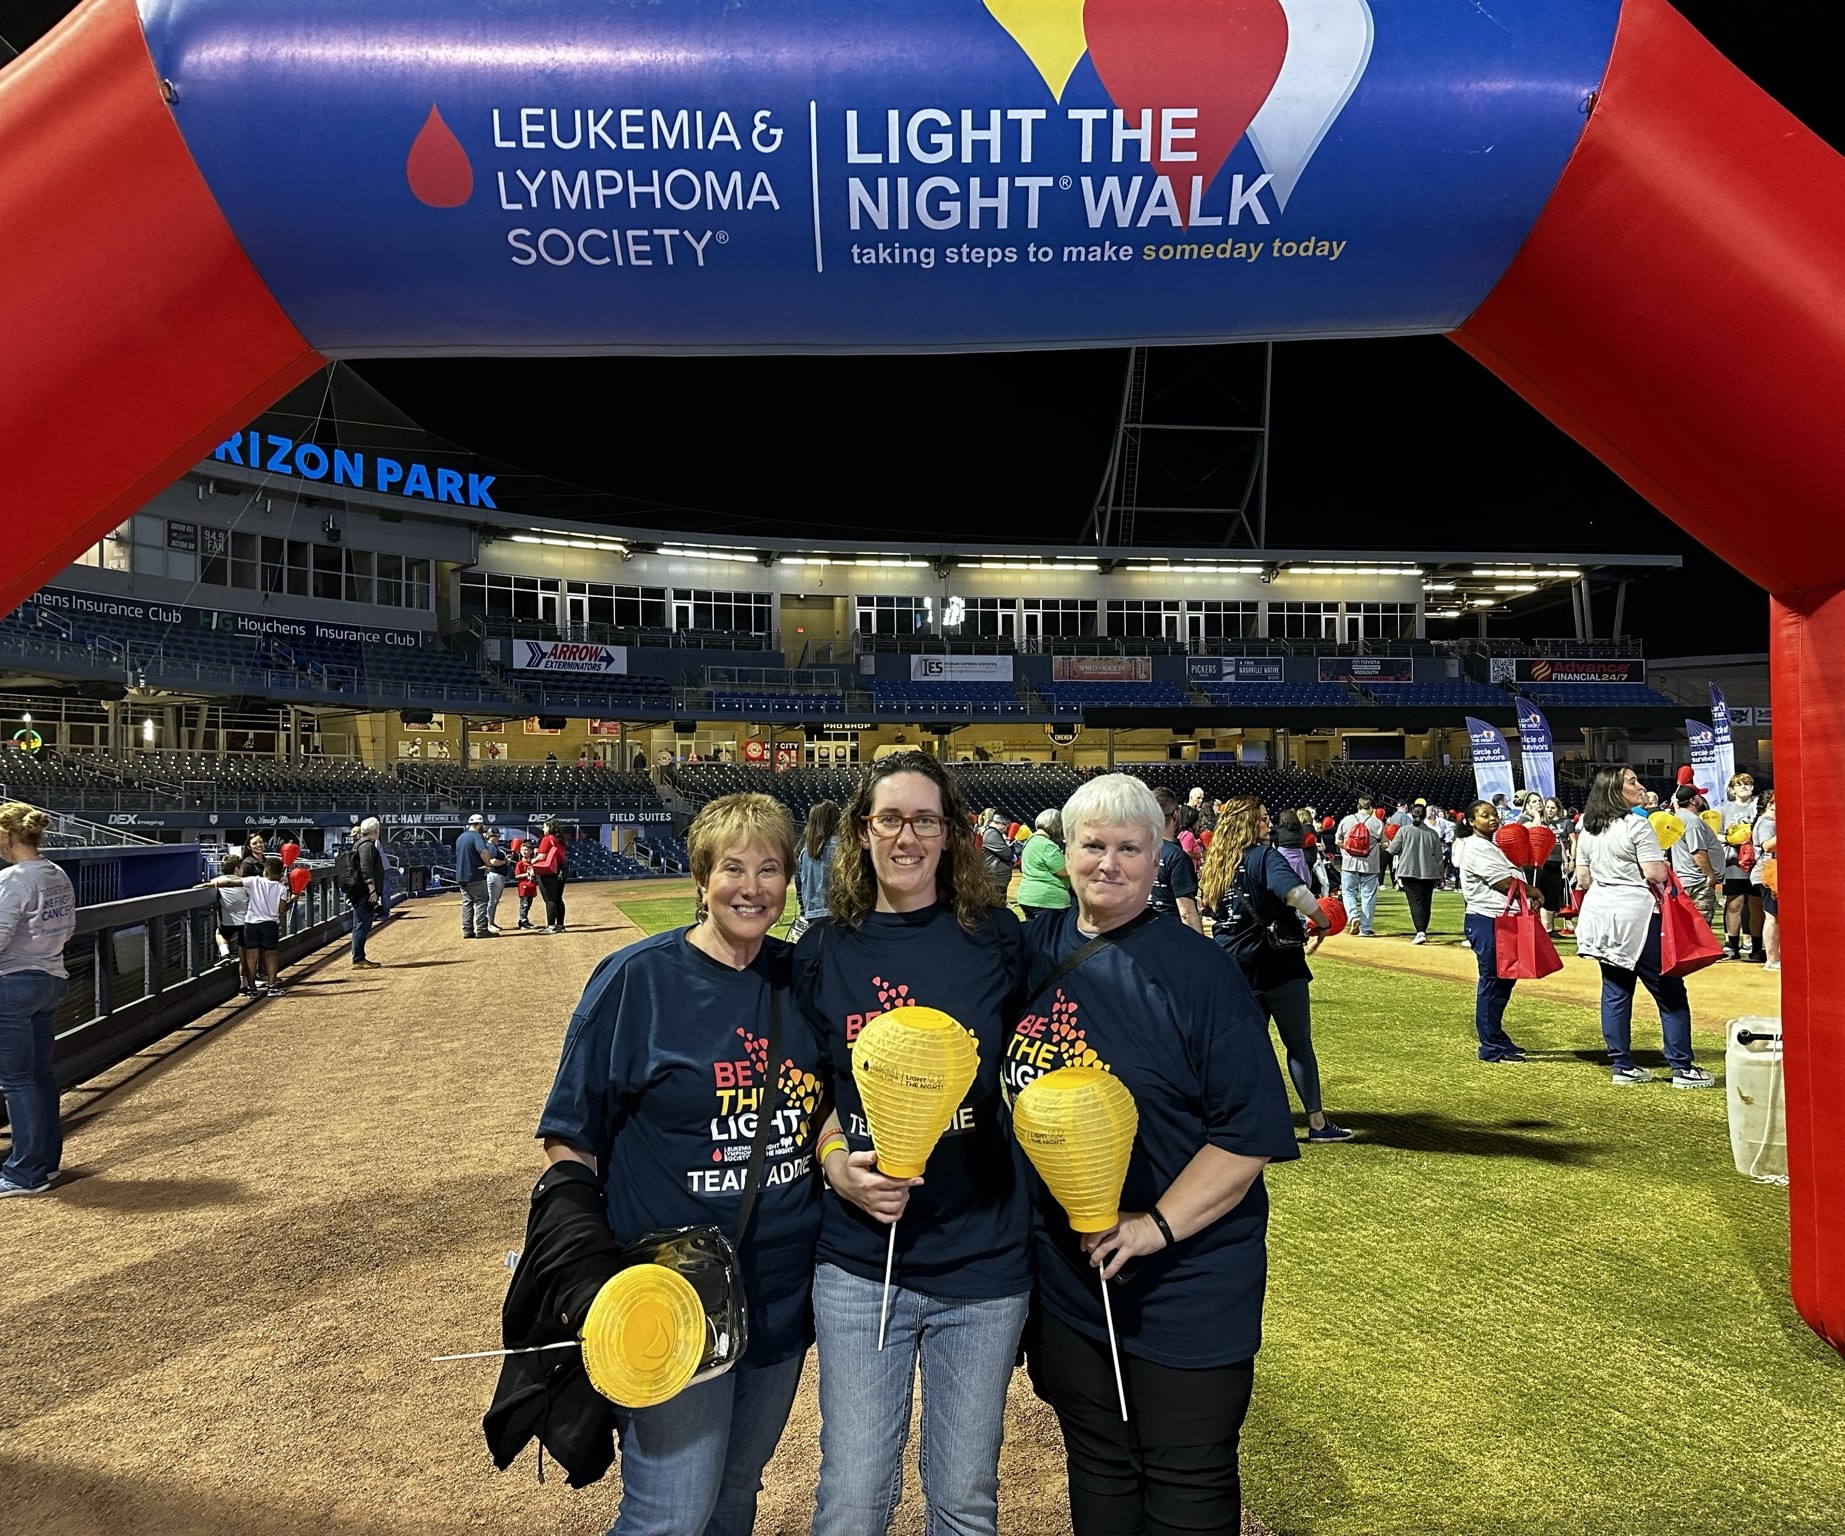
{"x": 1758, "y": 1106}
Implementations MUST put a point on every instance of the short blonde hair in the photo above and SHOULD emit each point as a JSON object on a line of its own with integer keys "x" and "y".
{"x": 1115, "y": 800}
{"x": 736, "y": 821}
{"x": 25, "y": 822}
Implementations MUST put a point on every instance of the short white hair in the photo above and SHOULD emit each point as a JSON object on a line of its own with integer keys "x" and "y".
{"x": 1114, "y": 800}
{"x": 369, "y": 826}
{"x": 1050, "y": 822}
{"x": 1197, "y": 792}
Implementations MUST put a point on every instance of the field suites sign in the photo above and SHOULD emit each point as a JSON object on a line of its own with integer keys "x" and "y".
{"x": 277, "y": 455}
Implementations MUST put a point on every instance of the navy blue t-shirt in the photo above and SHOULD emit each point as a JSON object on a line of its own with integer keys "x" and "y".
{"x": 470, "y": 858}
{"x": 963, "y": 1234}
{"x": 1258, "y": 896}
{"x": 663, "y": 1068}
{"x": 1177, "y": 877}
{"x": 1169, "y": 1013}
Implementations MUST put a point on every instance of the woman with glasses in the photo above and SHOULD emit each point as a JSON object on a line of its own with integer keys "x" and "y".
{"x": 912, "y": 920}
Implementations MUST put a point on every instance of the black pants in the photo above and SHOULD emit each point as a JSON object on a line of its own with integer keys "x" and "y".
{"x": 1420, "y": 895}
{"x": 1172, "y": 1467}
{"x": 551, "y": 887}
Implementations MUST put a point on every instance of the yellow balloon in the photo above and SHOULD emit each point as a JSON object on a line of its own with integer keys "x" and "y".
{"x": 1712, "y": 819}
{"x": 1050, "y": 32}
{"x": 913, "y": 1067}
{"x": 1666, "y": 827}
{"x": 1738, "y": 834}
{"x": 1077, "y": 1126}
{"x": 643, "y": 1336}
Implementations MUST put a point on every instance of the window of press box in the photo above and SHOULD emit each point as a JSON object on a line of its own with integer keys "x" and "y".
{"x": 276, "y": 564}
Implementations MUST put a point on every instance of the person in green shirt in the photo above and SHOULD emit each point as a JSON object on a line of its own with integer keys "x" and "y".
{"x": 1043, "y": 885}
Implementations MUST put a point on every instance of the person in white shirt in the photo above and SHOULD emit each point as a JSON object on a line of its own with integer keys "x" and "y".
{"x": 1359, "y": 873}
{"x": 1487, "y": 876}
{"x": 269, "y": 897}
{"x": 1742, "y": 897}
{"x": 38, "y": 914}
{"x": 1621, "y": 869}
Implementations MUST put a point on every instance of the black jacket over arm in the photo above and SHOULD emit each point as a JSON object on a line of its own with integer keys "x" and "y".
{"x": 569, "y": 1255}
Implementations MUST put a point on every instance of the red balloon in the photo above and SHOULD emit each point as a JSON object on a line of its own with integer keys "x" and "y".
{"x": 1514, "y": 840}
{"x": 1543, "y": 842}
{"x": 1390, "y": 830}
{"x": 1205, "y": 837}
{"x": 1333, "y": 910}
{"x": 290, "y": 852}
{"x": 1308, "y": 840}
{"x": 1327, "y": 823}
{"x": 299, "y": 877}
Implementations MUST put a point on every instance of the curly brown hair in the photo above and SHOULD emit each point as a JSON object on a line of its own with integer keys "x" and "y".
{"x": 1234, "y": 837}
{"x": 961, "y": 880}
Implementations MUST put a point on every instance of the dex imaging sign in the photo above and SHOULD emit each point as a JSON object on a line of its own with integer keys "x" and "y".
{"x": 570, "y": 656}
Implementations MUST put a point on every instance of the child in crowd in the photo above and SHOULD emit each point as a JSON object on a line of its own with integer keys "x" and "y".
{"x": 233, "y": 907}
{"x": 527, "y": 880}
{"x": 268, "y": 897}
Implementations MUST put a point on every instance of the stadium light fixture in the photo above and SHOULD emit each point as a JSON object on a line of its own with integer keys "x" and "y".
{"x": 1483, "y": 602}
{"x": 1515, "y": 586}
{"x": 687, "y": 552}
{"x": 1438, "y": 586}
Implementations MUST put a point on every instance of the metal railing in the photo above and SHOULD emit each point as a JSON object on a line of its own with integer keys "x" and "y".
{"x": 142, "y": 968}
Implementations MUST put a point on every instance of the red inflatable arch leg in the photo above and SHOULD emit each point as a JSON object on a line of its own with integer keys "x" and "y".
{"x": 137, "y": 334}
{"x": 1676, "y": 310}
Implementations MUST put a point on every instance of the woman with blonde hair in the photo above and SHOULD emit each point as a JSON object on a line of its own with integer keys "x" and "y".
{"x": 38, "y": 914}
{"x": 1115, "y": 986}
{"x": 913, "y": 921}
{"x": 1264, "y": 917}
{"x": 666, "y": 1065}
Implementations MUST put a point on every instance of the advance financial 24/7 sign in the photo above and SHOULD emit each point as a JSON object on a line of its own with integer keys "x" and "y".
{"x": 570, "y": 656}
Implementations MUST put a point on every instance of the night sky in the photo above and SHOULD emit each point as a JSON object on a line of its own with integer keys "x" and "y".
{"x": 1381, "y": 444}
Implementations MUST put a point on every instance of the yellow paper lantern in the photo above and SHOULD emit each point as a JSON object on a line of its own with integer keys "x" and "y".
{"x": 644, "y": 1336}
{"x": 1666, "y": 827}
{"x": 1077, "y": 1126}
{"x": 913, "y": 1067}
{"x": 1712, "y": 819}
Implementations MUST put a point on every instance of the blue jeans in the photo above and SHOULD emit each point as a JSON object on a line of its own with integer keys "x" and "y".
{"x": 363, "y": 915}
{"x": 967, "y": 1350}
{"x": 1492, "y": 993}
{"x": 1668, "y": 993}
{"x": 496, "y": 888}
{"x": 692, "y": 1465}
{"x": 27, "y": 999}
{"x": 1359, "y": 892}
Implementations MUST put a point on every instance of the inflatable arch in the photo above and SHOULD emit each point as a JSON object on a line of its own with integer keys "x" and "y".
{"x": 203, "y": 200}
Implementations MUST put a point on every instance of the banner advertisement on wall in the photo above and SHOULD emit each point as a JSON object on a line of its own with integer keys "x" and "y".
{"x": 1573, "y": 669}
{"x": 435, "y": 725}
{"x": 486, "y": 727}
{"x": 960, "y": 669}
{"x": 1101, "y": 669}
{"x": 1366, "y": 669}
{"x": 533, "y": 728}
{"x": 1492, "y": 762}
{"x": 605, "y": 727}
{"x": 569, "y": 656}
{"x": 1234, "y": 669}
{"x": 1534, "y": 746}
{"x": 81, "y": 605}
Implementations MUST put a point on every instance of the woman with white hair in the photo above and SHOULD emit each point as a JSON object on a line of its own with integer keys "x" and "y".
{"x": 1044, "y": 884}
{"x": 1168, "y": 1013}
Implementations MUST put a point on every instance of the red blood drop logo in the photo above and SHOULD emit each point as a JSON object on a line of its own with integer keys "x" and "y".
{"x": 437, "y": 166}
{"x": 1221, "y": 57}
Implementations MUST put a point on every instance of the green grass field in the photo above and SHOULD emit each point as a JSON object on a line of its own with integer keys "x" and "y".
{"x": 1523, "y": 1302}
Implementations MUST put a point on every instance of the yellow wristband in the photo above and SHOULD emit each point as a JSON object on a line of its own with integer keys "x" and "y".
{"x": 831, "y": 1144}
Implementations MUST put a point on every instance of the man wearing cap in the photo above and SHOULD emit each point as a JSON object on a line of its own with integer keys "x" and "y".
{"x": 1697, "y": 857}
{"x": 471, "y": 875}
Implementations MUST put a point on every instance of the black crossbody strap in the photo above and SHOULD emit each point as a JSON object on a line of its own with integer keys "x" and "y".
{"x": 765, "y": 1116}
{"x": 1094, "y": 947}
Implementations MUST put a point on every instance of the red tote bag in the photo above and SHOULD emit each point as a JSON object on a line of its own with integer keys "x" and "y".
{"x": 1522, "y": 949}
{"x": 1686, "y": 942}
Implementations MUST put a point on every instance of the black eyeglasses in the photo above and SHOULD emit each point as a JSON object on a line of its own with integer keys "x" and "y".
{"x": 889, "y": 824}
